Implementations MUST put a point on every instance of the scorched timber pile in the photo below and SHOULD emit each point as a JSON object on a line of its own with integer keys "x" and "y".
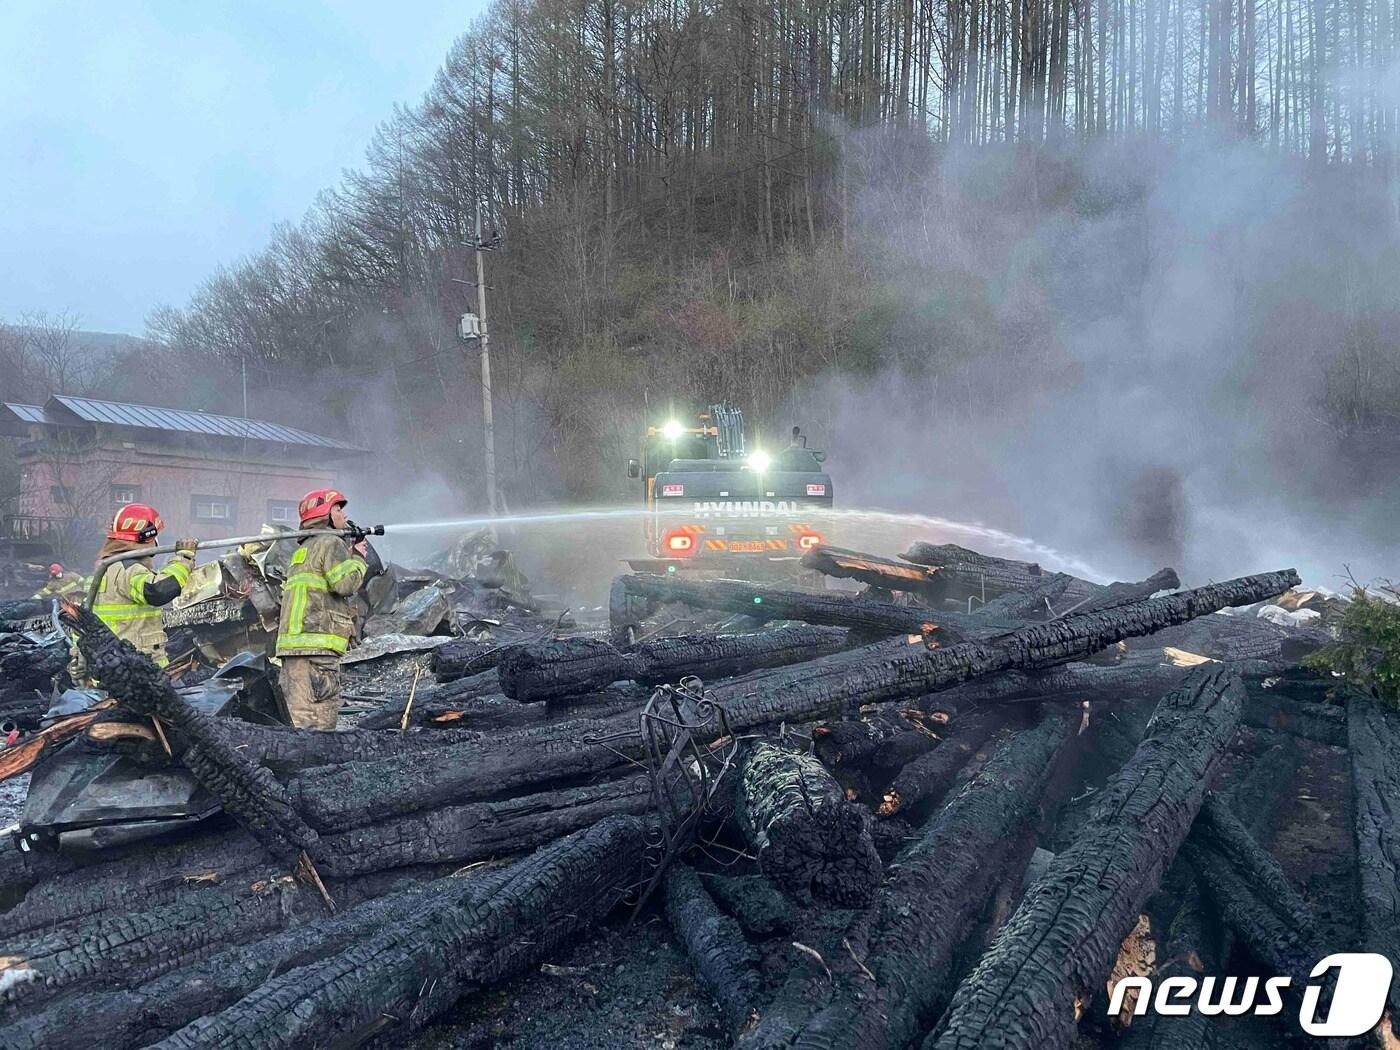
{"x": 865, "y": 820}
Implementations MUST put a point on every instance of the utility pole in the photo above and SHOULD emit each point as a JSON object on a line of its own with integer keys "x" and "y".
{"x": 480, "y": 332}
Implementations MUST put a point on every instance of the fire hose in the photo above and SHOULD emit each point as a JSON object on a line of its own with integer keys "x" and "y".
{"x": 352, "y": 532}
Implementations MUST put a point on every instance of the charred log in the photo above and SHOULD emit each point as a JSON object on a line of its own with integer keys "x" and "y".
{"x": 453, "y": 947}
{"x": 466, "y": 659}
{"x": 725, "y": 962}
{"x": 1115, "y": 594}
{"x": 770, "y": 603}
{"x": 478, "y": 830}
{"x": 1062, "y": 940}
{"x": 928, "y": 777}
{"x": 246, "y": 791}
{"x": 432, "y": 702}
{"x": 1036, "y": 603}
{"x": 940, "y": 883}
{"x": 888, "y": 741}
{"x": 810, "y": 841}
{"x": 128, "y": 1018}
{"x": 892, "y": 672}
{"x": 1374, "y": 736}
{"x": 963, "y": 573}
{"x": 496, "y": 711}
{"x": 363, "y": 792}
{"x": 26, "y": 682}
{"x": 1249, "y": 890}
{"x": 1272, "y": 709}
{"x": 570, "y": 667}
{"x": 758, "y": 905}
{"x": 873, "y": 571}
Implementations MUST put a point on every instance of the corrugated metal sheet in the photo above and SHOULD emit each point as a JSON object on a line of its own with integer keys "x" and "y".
{"x": 27, "y": 413}
{"x": 148, "y": 417}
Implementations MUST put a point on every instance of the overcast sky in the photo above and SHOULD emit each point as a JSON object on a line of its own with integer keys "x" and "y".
{"x": 144, "y": 142}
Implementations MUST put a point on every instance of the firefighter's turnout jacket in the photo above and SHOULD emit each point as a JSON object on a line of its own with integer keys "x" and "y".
{"x": 69, "y": 584}
{"x": 318, "y": 615}
{"x": 131, "y": 594}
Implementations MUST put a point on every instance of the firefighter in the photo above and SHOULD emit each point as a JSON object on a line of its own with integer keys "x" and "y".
{"x": 318, "y": 611}
{"x": 60, "y": 583}
{"x": 131, "y": 592}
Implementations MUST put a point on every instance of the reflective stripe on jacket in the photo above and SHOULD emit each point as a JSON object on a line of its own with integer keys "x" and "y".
{"x": 121, "y": 602}
{"x": 68, "y": 583}
{"x": 318, "y": 616}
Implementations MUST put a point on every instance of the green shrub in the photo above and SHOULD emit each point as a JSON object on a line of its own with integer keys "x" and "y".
{"x": 1367, "y": 653}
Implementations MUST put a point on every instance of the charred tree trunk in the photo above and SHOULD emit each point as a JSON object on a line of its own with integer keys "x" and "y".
{"x": 128, "y": 1018}
{"x": 769, "y": 603}
{"x": 246, "y": 791}
{"x": 478, "y": 830}
{"x": 873, "y": 571}
{"x": 465, "y": 659}
{"x": 1115, "y": 594}
{"x": 1374, "y": 736}
{"x": 963, "y": 573}
{"x": 1060, "y": 943}
{"x": 362, "y": 792}
{"x": 1250, "y": 892}
{"x": 26, "y": 682}
{"x": 429, "y": 703}
{"x": 570, "y": 667}
{"x": 759, "y": 906}
{"x": 888, "y": 741}
{"x": 941, "y": 882}
{"x": 1274, "y": 709}
{"x": 490, "y": 712}
{"x": 726, "y": 964}
{"x": 928, "y": 777}
{"x": 810, "y": 841}
{"x": 464, "y": 942}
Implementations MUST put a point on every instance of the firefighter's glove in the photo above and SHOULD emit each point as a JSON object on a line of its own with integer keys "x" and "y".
{"x": 186, "y": 548}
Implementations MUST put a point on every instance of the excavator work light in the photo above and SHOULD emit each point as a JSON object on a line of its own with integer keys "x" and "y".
{"x": 759, "y": 461}
{"x": 671, "y": 430}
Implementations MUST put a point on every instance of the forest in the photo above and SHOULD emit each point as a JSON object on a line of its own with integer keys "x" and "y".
{"x": 966, "y": 210}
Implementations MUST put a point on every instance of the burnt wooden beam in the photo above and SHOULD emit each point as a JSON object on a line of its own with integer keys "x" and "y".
{"x": 927, "y": 778}
{"x": 872, "y": 570}
{"x": 408, "y": 972}
{"x": 1373, "y": 733}
{"x": 810, "y": 840}
{"x": 940, "y": 883}
{"x": 1057, "y": 948}
{"x": 772, "y": 603}
{"x": 725, "y": 962}
{"x": 575, "y": 666}
{"x": 247, "y": 792}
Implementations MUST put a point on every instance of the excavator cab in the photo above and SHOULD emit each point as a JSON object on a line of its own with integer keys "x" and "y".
{"x": 716, "y": 502}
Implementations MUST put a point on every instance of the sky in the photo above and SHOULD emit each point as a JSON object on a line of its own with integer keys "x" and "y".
{"x": 143, "y": 144}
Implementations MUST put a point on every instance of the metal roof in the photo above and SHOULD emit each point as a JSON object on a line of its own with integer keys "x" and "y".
{"x": 27, "y": 413}
{"x": 148, "y": 417}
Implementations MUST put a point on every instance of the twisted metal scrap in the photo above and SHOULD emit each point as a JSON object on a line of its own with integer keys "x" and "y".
{"x": 685, "y": 775}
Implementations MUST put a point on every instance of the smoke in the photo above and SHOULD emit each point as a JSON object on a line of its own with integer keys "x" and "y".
{"x": 1138, "y": 355}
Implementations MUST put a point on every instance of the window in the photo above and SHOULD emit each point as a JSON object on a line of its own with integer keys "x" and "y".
{"x": 60, "y": 493}
{"x": 123, "y": 494}
{"x": 282, "y": 511}
{"x": 213, "y": 510}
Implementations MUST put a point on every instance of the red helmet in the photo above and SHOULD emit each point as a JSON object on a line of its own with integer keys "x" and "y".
{"x": 55, "y": 569}
{"x": 137, "y": 522}
{"x": 318, "y": 503}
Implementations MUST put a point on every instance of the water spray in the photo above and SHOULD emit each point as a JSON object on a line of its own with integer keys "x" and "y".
{"x": 1030, "y": 547}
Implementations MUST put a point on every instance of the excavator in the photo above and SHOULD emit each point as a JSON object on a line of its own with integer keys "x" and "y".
{"x": 717, "y": 503}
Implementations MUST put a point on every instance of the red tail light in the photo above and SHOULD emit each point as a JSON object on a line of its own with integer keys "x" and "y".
{"x": 679, "y": 543}
{"x": 809, "y": 540}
